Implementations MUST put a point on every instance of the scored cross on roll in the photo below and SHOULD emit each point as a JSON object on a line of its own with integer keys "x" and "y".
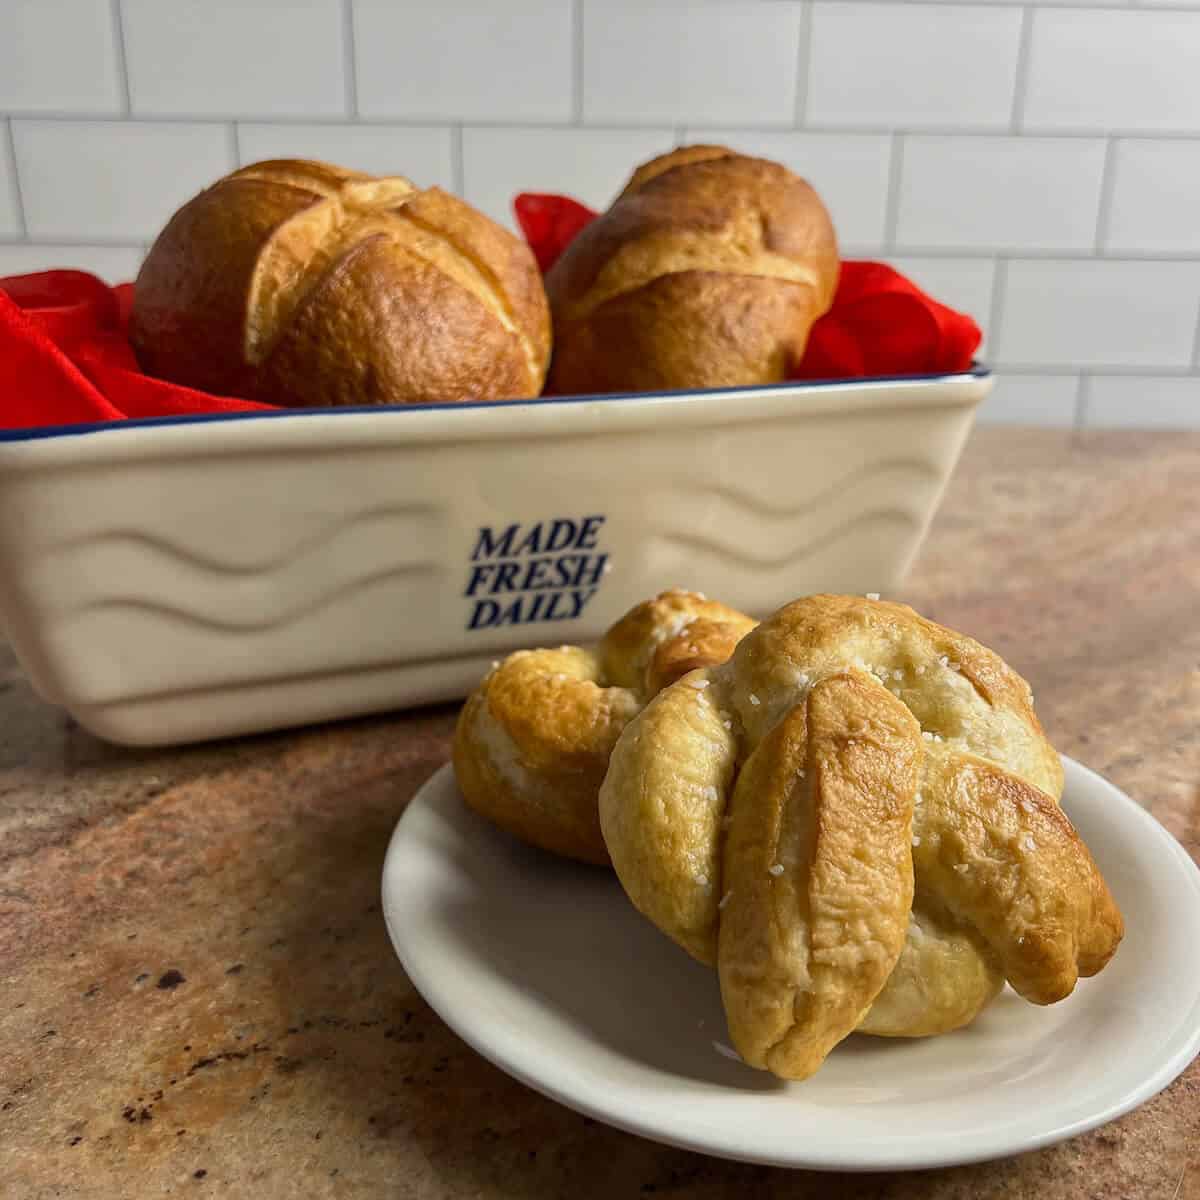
{"x": 856, "y": 820}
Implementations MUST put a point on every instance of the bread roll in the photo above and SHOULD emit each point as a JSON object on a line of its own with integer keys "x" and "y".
{"x": 708, "y": 271}
{"x": 855, "y": 819}
{"x": 533, "y": 740}
{"x": 300, "y": 283}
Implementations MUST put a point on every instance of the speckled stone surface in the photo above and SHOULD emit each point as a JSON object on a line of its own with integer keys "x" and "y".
{"x": 197, "y": 995}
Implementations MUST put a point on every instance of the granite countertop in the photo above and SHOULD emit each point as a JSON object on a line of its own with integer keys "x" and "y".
{"x": 199, "y": 996}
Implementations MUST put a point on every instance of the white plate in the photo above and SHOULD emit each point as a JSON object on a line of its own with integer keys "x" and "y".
{"x": 546, "y": 969}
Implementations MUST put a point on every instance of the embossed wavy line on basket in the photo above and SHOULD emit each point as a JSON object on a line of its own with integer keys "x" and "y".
{"x": 893, "y": 492}
{"x": 151, "y": 573}
{"x": 854, "y": 526}
{"x": 303, "y": 548}
{"x": 903, "y": 472}
{"x": 277, "y": 619}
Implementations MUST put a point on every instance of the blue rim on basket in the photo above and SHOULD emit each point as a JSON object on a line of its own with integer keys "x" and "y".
{"x": 977, "y": 370}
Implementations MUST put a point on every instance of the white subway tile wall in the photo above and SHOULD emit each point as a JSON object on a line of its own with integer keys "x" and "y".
{"x": 1113, "y": 71}
{"x": 1034, "y": 163}
{"x": 967, "y": 193}
{"x": 1141, "y": 402}
{"x": 10, "y": 207}
{"x": 59, "y": 56}
{"x": 1057, "y": 313}
{"x": 1156, "y": 188}
{"x": 644, "y": 64}
{"x": 1032, "y": 400}
{"x": 474, "y": 60}
{"x": 228, "y": 58}
{"x": 113, "y": 180}
{"x": 926, "y": 65}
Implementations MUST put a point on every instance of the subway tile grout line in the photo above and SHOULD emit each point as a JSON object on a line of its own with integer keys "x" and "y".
{"x": 803, "y": 64}
{"x": 1108, "y": 182}
{"x": 98, "y": 242}
{"x": 576, "y": 62}
{"x": 1021, "y": 74}
{"x": 10, "y": 149}
{"x": 1196, "y": 341}
{"x": 848, "y": 129}
{"x": 235, "y": 143}
{"x": 996, "y": 306}
{"x": 1083, "y": 395}
{"x": 122, "y": 59}
{"x": 1066, "y": 5}
{"x": 457, "y": 167}
{"x": 350, "y": 59}
{"x": 1115, "y": 370}
{"x": 891, "y": 218}
{"x": 1045, "y": 254}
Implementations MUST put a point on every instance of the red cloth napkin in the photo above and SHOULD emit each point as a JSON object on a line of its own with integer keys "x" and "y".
{"x": 65, "y": 356}
{"x": 880, "y": 324}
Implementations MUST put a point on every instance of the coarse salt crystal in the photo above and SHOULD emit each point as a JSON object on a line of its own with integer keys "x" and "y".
{"x": 897, "y": 674}
{"x": 1027, "y": 805}
{"x": 872, "y": 595}
{"x": 724, "y": 901}
{"x": 916, "y": 839}
{"x": 921, "y": 670}
{"x": 709, "y": 793}
{"x": 961, "y": 868}
{"x": 1027, "y": 843}
{"x": 927, "y": 735}
{"x": 727, "y": 724}
{"x": 754, "y": 699}
{"x": 698, "y": 684}
{"x": 775, "y": 869}
{"x": 702, "y": 880}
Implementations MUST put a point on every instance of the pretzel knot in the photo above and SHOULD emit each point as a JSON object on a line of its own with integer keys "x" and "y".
{"x": 533, "y": 741}
{"x": 856, "y": 821}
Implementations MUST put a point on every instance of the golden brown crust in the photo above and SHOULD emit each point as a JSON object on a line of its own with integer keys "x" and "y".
{"x": 657, "y": 641}
{"x": 687, "y": 329}
{"x": 818, "y": 873}
{"x": 532, "y": 745}
{"x": 1005, "y": 860}
{"x": 301, "y": 283}
{"x": 1004, "y": 888}
{"x": 715, "y": 264}
{"x": 681, "y": 156}
{"x": 533, "y": 740}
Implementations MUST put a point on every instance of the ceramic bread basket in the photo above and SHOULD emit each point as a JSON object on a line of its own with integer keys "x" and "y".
{"x": 178, "y": 579}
